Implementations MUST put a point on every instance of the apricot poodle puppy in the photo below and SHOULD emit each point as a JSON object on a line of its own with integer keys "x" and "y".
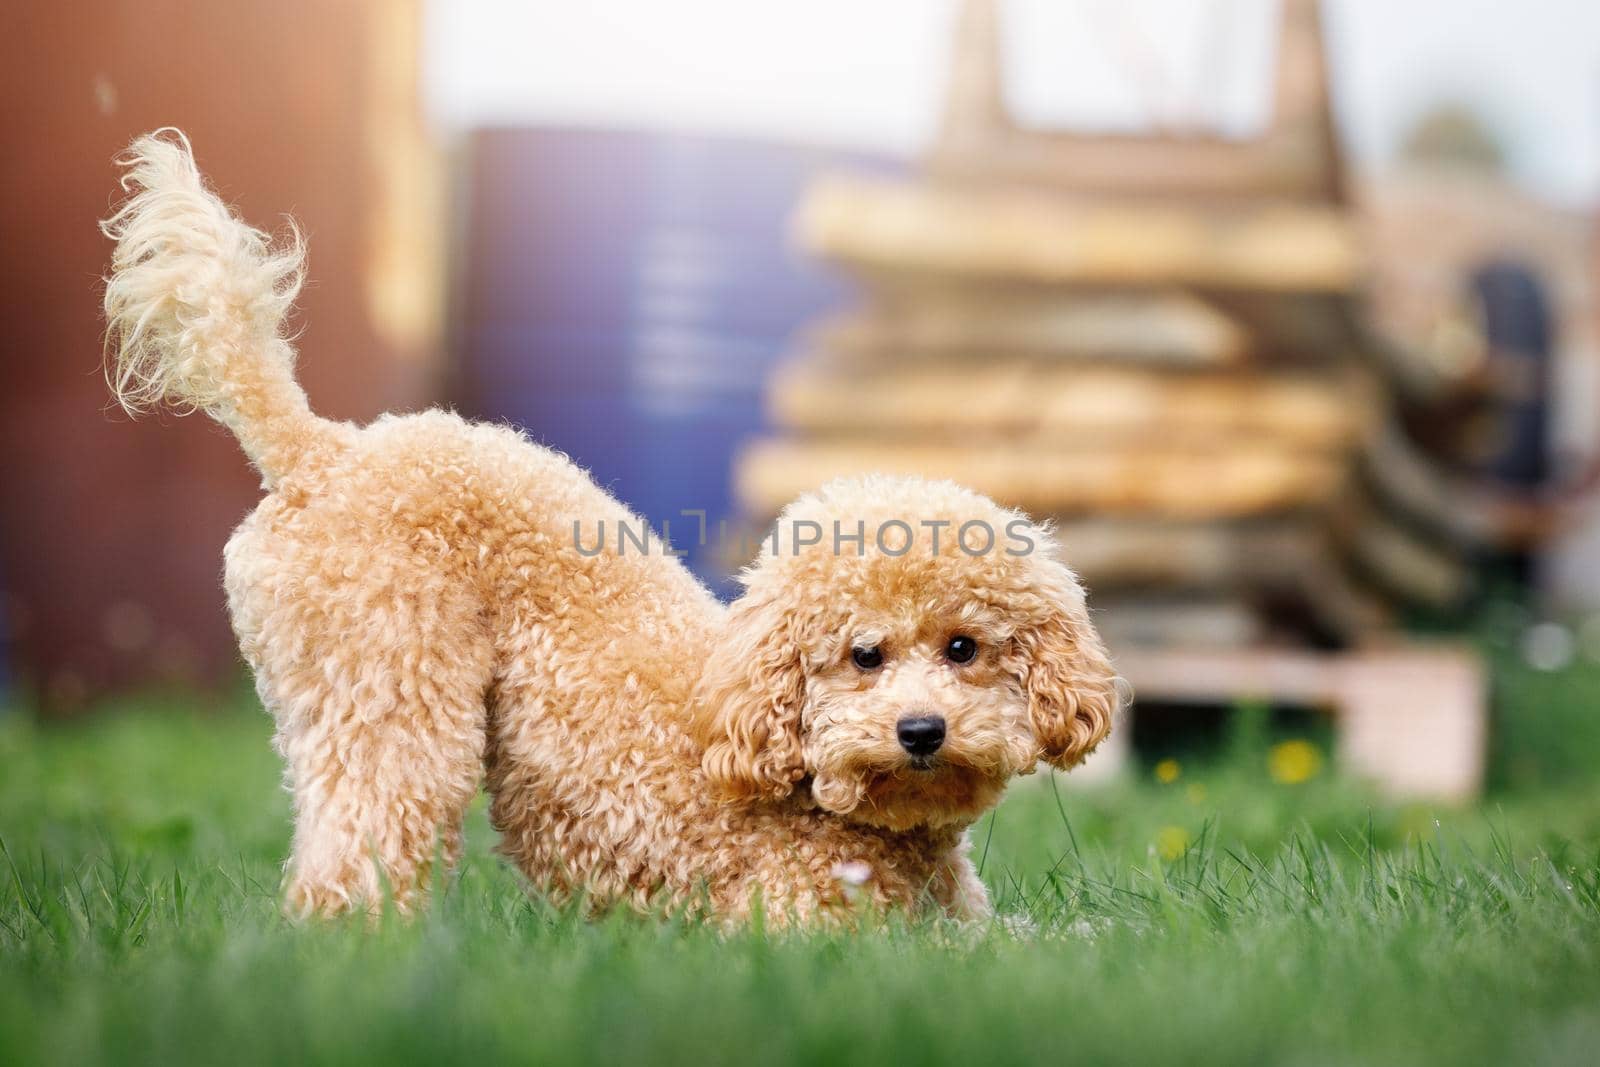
{"x": 424, "y": 606}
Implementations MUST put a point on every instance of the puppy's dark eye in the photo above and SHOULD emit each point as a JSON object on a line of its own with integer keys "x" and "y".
{"x": 867, "y": 659}
{"x": 961, "y": 649}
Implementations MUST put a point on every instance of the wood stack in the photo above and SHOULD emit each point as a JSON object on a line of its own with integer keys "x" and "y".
{"x": 1157, "y": 341}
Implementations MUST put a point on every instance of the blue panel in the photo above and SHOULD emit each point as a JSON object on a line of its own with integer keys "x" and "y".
{"x": 625, "y": 297}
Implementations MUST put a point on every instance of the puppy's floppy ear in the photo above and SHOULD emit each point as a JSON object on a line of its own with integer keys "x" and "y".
{"x": 1073, "y": 691}
{"x": 748, "y": 701}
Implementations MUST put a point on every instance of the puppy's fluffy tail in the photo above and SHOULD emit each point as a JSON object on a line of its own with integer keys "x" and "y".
{"x": 196, "y": 304}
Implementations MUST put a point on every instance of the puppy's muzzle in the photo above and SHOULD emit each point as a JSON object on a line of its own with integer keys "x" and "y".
{"x": 920, "y": 735}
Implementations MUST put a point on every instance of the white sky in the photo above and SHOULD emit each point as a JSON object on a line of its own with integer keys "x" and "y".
{"x": 869, "y": 73}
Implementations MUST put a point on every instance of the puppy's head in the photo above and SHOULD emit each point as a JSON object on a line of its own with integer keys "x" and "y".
{"x": 903, "y": 649}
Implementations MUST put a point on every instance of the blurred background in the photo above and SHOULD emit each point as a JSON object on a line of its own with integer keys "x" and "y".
{"x": 1282, "y": 310}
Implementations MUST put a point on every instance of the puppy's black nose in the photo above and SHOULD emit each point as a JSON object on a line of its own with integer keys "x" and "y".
{"x": 920, "y": 735}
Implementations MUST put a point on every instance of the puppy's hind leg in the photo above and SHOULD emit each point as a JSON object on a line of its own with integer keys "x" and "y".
{"x": 379, "y": 696}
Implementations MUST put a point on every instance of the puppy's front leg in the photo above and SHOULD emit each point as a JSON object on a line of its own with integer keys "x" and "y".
{"x": 958, "y": 890}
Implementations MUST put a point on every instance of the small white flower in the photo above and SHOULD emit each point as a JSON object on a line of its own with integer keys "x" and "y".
{"x": 853, "y": 872}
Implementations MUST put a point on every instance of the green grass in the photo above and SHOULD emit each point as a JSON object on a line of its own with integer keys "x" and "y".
{"x": 1300, "y": 924}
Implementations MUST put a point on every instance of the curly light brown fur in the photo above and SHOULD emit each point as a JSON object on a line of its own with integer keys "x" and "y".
{"x": 419, "y": 616}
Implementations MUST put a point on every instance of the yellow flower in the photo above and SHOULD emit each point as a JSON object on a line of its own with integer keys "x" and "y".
{"x": 1293, "y": 762}
{"x": 1195, "y": 793}
{"x": 1168, "y": 771}
{"x": 1171, "y": 842}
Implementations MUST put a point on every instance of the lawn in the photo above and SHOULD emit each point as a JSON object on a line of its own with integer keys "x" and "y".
{"x": 1208, "y": 912}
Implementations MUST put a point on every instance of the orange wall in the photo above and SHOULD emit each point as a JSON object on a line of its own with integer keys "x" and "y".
{"x": 110, "y": 531}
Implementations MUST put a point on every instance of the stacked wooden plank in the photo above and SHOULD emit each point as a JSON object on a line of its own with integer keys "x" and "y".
{"x": 1156, "y": 341}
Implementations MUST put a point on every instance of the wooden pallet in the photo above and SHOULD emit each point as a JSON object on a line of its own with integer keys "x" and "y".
{"x": 1412, "y": 719}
